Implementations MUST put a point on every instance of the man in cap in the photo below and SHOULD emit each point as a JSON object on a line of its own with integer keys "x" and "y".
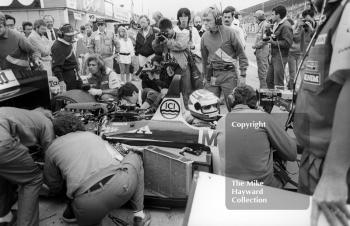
{"x": 64, "y": 62}
{"x": 15, "y": 49}
{"x": 104, "y": 43}
{"x": 261, "y": 48}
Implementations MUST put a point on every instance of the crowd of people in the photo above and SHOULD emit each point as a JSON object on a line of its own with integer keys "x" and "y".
{"x": 209, "y": 52}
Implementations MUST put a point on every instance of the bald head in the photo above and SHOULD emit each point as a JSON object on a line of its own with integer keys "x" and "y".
{"x": 259, "y": 15}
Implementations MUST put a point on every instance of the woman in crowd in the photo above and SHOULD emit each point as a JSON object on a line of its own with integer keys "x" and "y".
{"x": 104, "y": 82}
{"x": 125, "y": 54}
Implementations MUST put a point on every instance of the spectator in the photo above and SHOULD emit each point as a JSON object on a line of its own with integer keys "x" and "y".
{"x": 228, "y": 17}
{"x": 51, "y": 32}
{"x": 156, "y": 17}
{"x": 104, "y": 82}
{"x": 125, "y": 55}
{"x": 261, "y": 48}
{"x": 132, "y": 33}
{"x": 27, "y": 28}
{"x": 145, "y": 99}
{"x": 144, "y": 38}
{"x": 64, "y": 62}
{"x": 104, "y": 43}
{"x": 294, "y": 51}
{"x": 10, "y": 21}
{"x": 15, "y": 49}
{"x": 252, "y": 156}
{"x": 308, "y": 24}
{"x": 197, "y": 22}
{"x": 82, "y": 32}
{"x": 42, "y": 44}
{"x": 281, "y": 41}
{"x": 83, "y": 48}
{"x": 174, "y": 45}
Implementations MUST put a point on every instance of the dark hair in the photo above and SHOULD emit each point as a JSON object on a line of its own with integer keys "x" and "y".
{"x": 9, "y": 17}
{"x": 100, "y": 63}
{"x": 82, "y": 27}
{"x": 183, "y": 11}
{"x": 165, "y": 23}
{"x": 25, "y": 24}
{"x": 127, "y": 90}
{"x": 309, "y": 12}
{"x": 66, "y": 122}
{"x": 230, "y": 9}
{"x": 156, "y": 58}
{"x": 39, "y": 23}
{"x": 290, "y": 21}
{"x": 280, "y": 10}
{"x": 237, "y": 14}
{"x": 245, "y": 95}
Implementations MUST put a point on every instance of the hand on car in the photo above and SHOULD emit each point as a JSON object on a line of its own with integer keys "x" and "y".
{"x": 95, "y": 92}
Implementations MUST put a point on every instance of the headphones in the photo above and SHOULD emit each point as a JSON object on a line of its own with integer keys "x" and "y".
{"x": 217, "y": 16}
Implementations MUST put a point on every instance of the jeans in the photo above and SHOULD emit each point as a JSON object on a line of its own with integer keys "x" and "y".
{"x": 275, "y": 73}
{"x": 293, "y": 63}
{"x": 18, "y": 168}
{"x": 127, "y": 184}
{"x": 263, "y": 64}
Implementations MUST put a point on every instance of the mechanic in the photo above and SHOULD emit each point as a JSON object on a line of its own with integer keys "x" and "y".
{"x": 204, "y": 109}
{"x": 281, "y": 40}
{"x": 145, "y": 99}
{"x": 104, "y": 82}
{"x": 261, "y": 48}
{"x": 96, "y": 183}
{"x": 15, "y": 49}
{"x": 104, "y": 43}
{"x": 20, "y": 129}
{"x": 321, "y": 120}
{"x": 220, "y": 47}
{"x": 64, "y": 63}
{"x": 249, "y": 139}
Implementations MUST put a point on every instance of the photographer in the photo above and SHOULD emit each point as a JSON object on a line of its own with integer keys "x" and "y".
{"x": 247, "y": 153}
{"x": 281, "y": 40}
{"x": 308, "y": 25}
{"x": 174, "y": 45}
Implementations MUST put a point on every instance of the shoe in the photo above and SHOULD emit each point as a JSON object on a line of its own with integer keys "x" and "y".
{"x": 68, "y": 215}
{"x": 138, "y": 221}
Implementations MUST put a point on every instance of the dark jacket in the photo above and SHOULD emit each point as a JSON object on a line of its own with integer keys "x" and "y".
{"x": 284, "y": 39}
{"x": 54, "y": 30}
{"x": 144, "y": 46}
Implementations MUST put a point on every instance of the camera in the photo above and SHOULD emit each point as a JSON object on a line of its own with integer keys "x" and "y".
{"x": 162, "y": 36}
{"x": 268, "y": 34}
{"x": 270, "y": 97}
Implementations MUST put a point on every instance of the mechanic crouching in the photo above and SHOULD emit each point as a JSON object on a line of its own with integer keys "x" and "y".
{"x": 103, "y": 81}
{"x": 96, "y": 183}
{"x": 249, "y": 139}
{"x": 20, "y": 129}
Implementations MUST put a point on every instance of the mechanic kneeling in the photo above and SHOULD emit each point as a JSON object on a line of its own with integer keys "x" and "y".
{"x": 247, "y": 138}
{"x": 104, "y": 82}
{"x": 145, "y": 99}
{"x": 96, "y": 182}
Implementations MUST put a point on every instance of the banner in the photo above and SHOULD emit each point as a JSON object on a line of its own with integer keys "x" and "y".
{"x": 20, "y": 4}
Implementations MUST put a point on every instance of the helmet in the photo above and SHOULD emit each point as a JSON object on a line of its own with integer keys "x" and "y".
{"x": 204, "y": 105}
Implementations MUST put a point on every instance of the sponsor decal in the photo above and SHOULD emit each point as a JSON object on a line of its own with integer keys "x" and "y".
{"x": 321, "y": 40}
{"x": 208, "y": 137}
{"x": 312, "y": 66}
{"x": 7, "y": 79}
{"x": 312, "y": 78}
{"x": 170, "y": 109}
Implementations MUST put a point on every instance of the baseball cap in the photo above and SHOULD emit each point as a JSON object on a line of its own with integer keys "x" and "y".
{"x": 67, "y": 29}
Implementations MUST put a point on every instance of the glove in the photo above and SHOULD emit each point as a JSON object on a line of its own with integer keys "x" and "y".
{"x": 95, "y": 92}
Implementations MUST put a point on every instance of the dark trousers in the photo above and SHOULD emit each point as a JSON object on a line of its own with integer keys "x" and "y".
{"x": 293, "y": 63}
{"x": 275, "y": 73}
{"x": 127, "y": 184}
{"x": 72, "y": 79}
{"x": 18, "y": 168}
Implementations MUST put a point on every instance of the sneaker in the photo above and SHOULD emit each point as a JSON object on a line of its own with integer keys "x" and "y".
{"x": 138, "y": 221}
{"x": 68, "y": 215}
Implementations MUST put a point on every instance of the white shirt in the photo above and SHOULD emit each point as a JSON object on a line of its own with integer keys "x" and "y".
{"x": 126, "y": 46}
{"x": 196, "y": 39}
{"x": 48, "y": 32}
